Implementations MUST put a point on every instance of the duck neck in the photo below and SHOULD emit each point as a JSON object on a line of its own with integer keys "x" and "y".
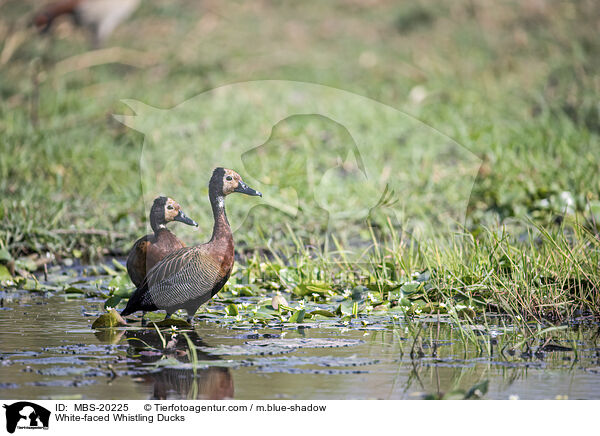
{"x": 157, "y": 223}
{"x": 221, "y": 228}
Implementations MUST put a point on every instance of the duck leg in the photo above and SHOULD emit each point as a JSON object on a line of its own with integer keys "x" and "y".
{"x": 191, "y": 311}
{"x": 190, "y": 317}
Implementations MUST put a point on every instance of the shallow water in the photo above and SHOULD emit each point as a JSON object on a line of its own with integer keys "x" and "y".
{"x": 48, "y": 350}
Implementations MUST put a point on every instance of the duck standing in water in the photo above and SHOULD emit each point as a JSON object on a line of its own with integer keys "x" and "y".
{"x": 191, "y": 276}
{"x": 150, "y": 249}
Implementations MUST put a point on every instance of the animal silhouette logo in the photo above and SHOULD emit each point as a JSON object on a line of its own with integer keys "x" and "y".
{"x": 336, "y": 168}
{"x": 26, "y": 415}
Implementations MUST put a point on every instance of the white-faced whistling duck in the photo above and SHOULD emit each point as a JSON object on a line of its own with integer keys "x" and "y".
{"x": 191, "y": 276}
{"x": 151, "y": 249}
{"x": 100, "y": 17}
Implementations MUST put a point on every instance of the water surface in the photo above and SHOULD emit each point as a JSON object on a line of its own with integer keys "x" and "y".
{"x": 48, "y": 350}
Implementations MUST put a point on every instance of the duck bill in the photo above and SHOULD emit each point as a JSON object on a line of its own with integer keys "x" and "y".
{"x": 242, "y": 188}
{"x": 183, "y": 218}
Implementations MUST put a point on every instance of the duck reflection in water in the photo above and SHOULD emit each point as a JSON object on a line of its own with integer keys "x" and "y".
{"x": 212, "y": 383}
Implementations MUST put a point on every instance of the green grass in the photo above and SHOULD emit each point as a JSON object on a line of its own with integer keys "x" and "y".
{"x": 514, "y": 84}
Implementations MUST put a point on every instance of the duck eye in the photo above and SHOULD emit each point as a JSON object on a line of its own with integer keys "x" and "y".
{"x": 170, "y": 207}
{"x": 229, "y": 178}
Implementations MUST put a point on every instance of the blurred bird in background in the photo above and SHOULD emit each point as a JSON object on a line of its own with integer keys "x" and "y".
{"x": 100, "y": 17}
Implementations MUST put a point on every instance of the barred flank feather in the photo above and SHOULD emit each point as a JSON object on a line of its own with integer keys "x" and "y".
{"x": 182, "y": 280}
{"x": 185, "y": 279}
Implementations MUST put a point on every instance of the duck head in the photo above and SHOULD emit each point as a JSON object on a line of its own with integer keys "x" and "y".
{"x": 164, "y": 210}
{"x": 225, "y": 181}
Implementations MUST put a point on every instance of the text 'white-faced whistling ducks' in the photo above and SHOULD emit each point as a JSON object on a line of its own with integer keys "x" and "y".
{"x": 150, "y": 249}
{"x": 100, "y": 17}
{"x": 191, "y": 276}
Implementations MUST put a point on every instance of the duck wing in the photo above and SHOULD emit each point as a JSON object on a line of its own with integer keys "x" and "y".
{"x": 136, "y": 260}
{"x": 188, "y": 274}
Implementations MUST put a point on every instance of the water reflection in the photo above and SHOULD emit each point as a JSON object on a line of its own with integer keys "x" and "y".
{"x": 170, "y": 380}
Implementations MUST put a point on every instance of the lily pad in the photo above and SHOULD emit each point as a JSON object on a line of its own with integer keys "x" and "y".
{"x": 323, "y": 312}
{"x": 112, "y": 302}
{"x": 306, "y": 343}
{"x": 199, "y": 364}
{"x": 172, "y": 322}
{"x": 305, "y": 289}
{"x": 298, "y": 316}
{"x": 232, "y": 310}
{"x": 345, "y": 308}
{"x": 247, "y": 350}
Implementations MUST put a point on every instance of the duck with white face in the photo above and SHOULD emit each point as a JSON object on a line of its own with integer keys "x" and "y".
{"x": 232, "y": 182}
{"x": 170, "y": 212}
{"x": 189, "y": 277}
{"x": 152, "y": 248}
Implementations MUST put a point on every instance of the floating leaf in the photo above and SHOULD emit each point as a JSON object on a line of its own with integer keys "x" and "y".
{"x": 120, "y": 286}
{"x": 74, "y": 290}
{"x": 306, "y": 343}
{"x": 108, "y": 320}
{"x": 305, "y": 289}
{"x": 112, "y": 302}
{"x": 268, "y": 310}
{"x": 4, "y": 273}
{"x": 345, "y": 308}
{"x": 245, "y": 292}
{"x": 261, "y": 316}
{"x": 232, "y": 310}
{"x": 171, "y": 322}
{"x": 323, "y": 312}
{"x": 298, "y": 316}
{"x": 30, "y": 285}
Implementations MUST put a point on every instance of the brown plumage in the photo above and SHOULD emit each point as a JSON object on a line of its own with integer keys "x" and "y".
{"x": 151, "y": 249}
{"x": 100, "y": 17}
{"x": 189, "y": 277}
